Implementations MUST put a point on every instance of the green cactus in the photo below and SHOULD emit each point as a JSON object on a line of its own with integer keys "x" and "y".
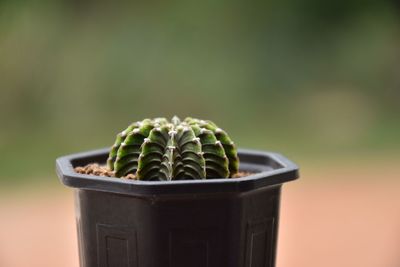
{"x": 161, "y": 150}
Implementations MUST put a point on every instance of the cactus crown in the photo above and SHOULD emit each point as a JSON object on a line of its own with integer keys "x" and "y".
{"x": 158, "y": 149}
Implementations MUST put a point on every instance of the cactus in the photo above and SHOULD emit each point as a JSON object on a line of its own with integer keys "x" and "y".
{"x": 159, "y": 150}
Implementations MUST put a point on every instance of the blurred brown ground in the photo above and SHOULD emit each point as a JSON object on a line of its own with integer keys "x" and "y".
{"x": 331, "y": 217}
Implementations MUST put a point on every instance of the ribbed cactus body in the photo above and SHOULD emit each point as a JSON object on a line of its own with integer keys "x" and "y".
{"x": 161, "y": 150}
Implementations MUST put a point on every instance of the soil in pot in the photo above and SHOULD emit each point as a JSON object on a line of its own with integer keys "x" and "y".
{"x": 103, "y": 170}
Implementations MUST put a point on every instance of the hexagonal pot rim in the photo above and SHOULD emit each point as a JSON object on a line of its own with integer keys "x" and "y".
{"x": 269, "y": 169}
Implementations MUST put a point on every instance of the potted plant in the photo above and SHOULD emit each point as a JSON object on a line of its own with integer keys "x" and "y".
{"x": 176, "y": 196}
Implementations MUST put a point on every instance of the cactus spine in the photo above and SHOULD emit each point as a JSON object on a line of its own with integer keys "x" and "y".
{"x": 161, "y": 150}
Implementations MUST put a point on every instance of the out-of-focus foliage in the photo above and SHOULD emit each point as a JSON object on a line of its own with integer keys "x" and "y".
{"x": 311, "y": 79}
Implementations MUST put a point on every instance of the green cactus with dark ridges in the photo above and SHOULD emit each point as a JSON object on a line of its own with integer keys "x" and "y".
{"x": 161, "y": 150}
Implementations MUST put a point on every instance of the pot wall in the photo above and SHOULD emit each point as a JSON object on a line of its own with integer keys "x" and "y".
{"x": 193, "y": 230}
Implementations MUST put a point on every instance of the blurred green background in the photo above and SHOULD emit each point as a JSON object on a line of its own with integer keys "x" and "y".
{"x": 317, "y": 81}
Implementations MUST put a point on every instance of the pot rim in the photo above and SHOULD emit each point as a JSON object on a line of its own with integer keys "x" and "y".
{"x": 272, "y": 169}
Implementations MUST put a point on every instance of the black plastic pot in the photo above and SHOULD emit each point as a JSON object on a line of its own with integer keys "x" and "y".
{"x": 194, "y": 223}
